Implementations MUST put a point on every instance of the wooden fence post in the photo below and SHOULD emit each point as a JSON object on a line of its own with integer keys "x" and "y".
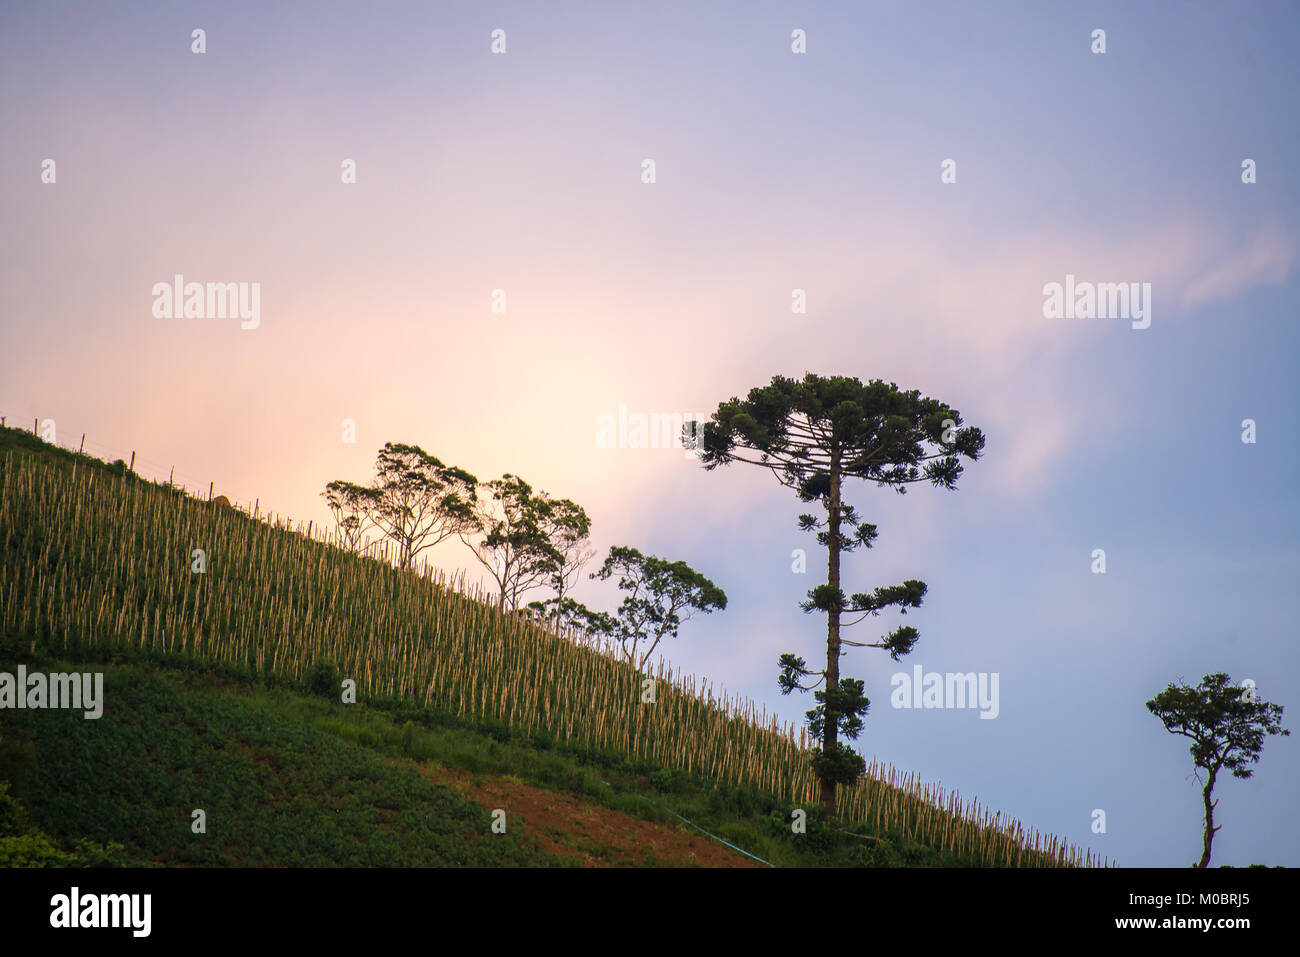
{"x": 132, "y": 465}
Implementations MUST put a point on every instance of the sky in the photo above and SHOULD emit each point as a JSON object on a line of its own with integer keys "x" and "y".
{"x": 524, "y": 172}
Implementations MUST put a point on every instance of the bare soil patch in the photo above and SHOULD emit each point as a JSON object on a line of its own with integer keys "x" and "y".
{"x": 565, "y": 825}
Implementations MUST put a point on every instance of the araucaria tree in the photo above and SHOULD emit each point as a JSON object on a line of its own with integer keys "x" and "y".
{"x": 812, "y": 434}
{"x": 416, "y": 500}
{"x": 1227, "y": 726}
{"x": 661, "y": 596}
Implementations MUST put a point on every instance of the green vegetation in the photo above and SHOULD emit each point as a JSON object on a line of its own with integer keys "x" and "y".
{"x": 288, "y": 778}
{"x": 95, "y": 566}
{"x": 813, "y": 434}
{"x": 1227, "y": 726}
{"x": 275, "y": 789}
{"x": 660, "y": 596}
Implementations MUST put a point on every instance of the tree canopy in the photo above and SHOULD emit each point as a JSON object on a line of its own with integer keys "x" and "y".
{"x": 661, "y": 595}
{"x": 812, "y": 434}
{"x": 415, "y": 500}
{"x": 1226, "y": 724}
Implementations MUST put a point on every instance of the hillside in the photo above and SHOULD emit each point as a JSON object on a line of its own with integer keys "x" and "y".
{"x": 207, "y": 674}
{"x": 289, "y": 779}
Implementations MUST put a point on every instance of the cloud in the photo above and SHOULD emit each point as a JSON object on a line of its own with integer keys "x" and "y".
{"x": 1265, "y": 258}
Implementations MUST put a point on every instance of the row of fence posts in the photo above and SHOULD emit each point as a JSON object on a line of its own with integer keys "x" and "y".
{"x": 81, "y": 450}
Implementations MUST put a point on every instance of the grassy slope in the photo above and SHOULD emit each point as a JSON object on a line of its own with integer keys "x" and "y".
{"x": 286, "y": 778}
{"x": 290, "y": 779}
{"x": 275, "y": 790}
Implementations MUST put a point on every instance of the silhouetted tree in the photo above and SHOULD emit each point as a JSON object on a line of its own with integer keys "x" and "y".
{"x": 563, "y": 614}
{"x": 568, "y": 528}
{"x": 510, "y": 537}
{"x": 415, "y": 500}
{"x": 662, "y": 595}
{"x": 1227, "y": 726}
{"x": 812, "y": 434}
{"x": 350, "y": 504}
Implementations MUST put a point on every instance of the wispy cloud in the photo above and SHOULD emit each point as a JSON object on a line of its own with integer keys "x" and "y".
{"x": 1263, "y": 258}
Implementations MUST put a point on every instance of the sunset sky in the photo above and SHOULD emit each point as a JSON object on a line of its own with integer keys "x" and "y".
{"x": 775, "y": 171}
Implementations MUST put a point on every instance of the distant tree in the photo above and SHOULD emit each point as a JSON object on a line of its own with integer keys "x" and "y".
{"x": 812, "y": 434}
{"x": 564, "y": 614}
{"x": 1227, "y": 726}
{"x": 662, "y": 595}
{"x": 567, "y": 527}
{"x": 509, "y": 537}
{"x": 350, "y": 505}
{"x": 527, "y": 539}
{"x": 415, "y": 500}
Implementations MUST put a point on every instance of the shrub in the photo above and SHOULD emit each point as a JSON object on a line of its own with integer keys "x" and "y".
{"x": 323, "y": 679}
{"x": 31, "y": 850}
{"x": 876, "y": 854}
{"x": 24, "y": 846}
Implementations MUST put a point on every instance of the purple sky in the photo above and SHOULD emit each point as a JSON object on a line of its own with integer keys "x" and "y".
{"x": 775, "y": 171}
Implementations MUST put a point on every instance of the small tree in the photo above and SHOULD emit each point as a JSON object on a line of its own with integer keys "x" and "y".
{"x": 663, "y": 595}
{"x": 812, "y": 434}
{"x": 509, "y": 538}
{"x": 1227, "y": 726}
{"x": 416, "y": 500}
{"x": 350, "y": 505}
{"x": 567, "y": 527}
{"x": 527, "y": 539}
{"x": 565, "y": 614}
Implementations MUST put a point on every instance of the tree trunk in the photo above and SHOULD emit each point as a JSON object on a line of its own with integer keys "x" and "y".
{"x": 830, "y": 728}
{"x": 1208, "y": 838}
